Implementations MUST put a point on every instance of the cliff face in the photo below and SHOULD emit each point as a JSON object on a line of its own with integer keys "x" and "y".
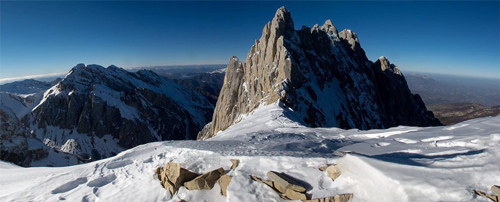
{"x": 99, "y": 111}
{"x": 323, "y": 75}
{"x": 16, "y": 145}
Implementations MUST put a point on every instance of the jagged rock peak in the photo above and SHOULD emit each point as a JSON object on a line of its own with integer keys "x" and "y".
{"x": 322, "y": 75}
{"x": 386, "y": 65}
{"x": 234, "y": 58}
{"x": 351, "y": 38}
{"x": 282, "y": 21}
{"x": 282, "y": 13}
{"x": 329, "y": 28}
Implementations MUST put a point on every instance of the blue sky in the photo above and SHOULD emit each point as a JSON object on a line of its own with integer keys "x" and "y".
{"x": 460, "y": 38}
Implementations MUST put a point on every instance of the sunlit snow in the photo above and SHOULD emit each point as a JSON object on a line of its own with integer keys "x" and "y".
{"x": 396, "y": 164}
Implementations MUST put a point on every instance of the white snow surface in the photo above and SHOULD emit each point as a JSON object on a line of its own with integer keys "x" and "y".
{"x": 396, "y": 164}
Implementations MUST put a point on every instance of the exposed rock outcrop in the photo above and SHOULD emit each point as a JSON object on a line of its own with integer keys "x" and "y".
{"x": 325, "y": 78}
{"x": 16, "y": 145}
{"x": 173, "y": 176}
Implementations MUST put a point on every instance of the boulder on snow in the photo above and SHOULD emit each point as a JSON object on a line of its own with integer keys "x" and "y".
{"x": 205, "y": 181}
{"x": 224, "y": 183}
{"x": 333, "y": 171}
{"x": 285, "y": 181}
{"x": 172, "y": 176}
{"x": 338, "y": 198}
{"x": 489, "y": 196}
{"x": 235, "y": 162}
{"x": 495, "y": 189}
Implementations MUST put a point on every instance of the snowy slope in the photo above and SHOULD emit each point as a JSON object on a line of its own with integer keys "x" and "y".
{"x": 396, "y": 164}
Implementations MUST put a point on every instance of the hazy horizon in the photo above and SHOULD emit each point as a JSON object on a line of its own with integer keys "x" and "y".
{"x": 53, "y": 76}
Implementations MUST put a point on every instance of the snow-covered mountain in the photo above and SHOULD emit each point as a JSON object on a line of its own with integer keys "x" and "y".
{"x": 97, "y": 112}
{"x": 398, "y": 164}
{"x": 28, "y": 86}
{"x": 323, "y": 75}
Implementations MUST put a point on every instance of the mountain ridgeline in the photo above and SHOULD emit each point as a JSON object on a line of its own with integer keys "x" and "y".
{"x": 322, "y": 75}
{"x": 97, "y": 112}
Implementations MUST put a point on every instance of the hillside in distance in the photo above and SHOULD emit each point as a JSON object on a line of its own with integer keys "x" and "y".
{"x": 447, "y": 89}
{"x": 452, "y": 113}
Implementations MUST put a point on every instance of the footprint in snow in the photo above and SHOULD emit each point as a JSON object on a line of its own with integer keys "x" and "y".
{"x": 381, "y": 144}
{"x": 69, "y": 185}
{"x": 405, "y": 141}
{"x": 119, "y": 164}
{"x": 101, "y": 181}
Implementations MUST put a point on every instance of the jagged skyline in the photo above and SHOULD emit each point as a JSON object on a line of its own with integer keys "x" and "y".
{"x": 50, "y": 37}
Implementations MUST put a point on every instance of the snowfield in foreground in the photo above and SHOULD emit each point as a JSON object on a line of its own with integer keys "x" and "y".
{"x": 397, "y": 164}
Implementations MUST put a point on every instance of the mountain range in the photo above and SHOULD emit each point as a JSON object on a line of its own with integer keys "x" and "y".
{"x": 97, "y": 112}
{"x": 306, "y": 107}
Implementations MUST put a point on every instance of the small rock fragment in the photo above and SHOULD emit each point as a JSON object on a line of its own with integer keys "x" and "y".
{"x": 285, "y": 181}
{"x": 224, "y": 183}
{"x": 338, "y": 198}
{"x": 205, "y": 181}
{"x": 258, "y": 179}
{"x": 333, "y": 172}
{"x": 235, "y": 162}
{"x": 323, "y": 168}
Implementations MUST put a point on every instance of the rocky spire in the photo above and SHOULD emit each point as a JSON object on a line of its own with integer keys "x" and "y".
{"x": 350, "y": 37}
{"x": 329, "y": 28}
{"x": 386, "y": 65}
{"x": 322, "y": 75}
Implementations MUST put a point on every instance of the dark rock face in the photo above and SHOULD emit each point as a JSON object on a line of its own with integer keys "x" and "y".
{"x": 15, "y": 145}
{"x": 99, "y": 111}
{"x": 324, "y": 76}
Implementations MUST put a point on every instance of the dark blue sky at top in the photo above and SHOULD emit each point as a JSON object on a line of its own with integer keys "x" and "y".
{"x": 459, "y": 38}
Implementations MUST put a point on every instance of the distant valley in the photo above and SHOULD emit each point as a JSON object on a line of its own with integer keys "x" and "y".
{"x": 455, "y": 99}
